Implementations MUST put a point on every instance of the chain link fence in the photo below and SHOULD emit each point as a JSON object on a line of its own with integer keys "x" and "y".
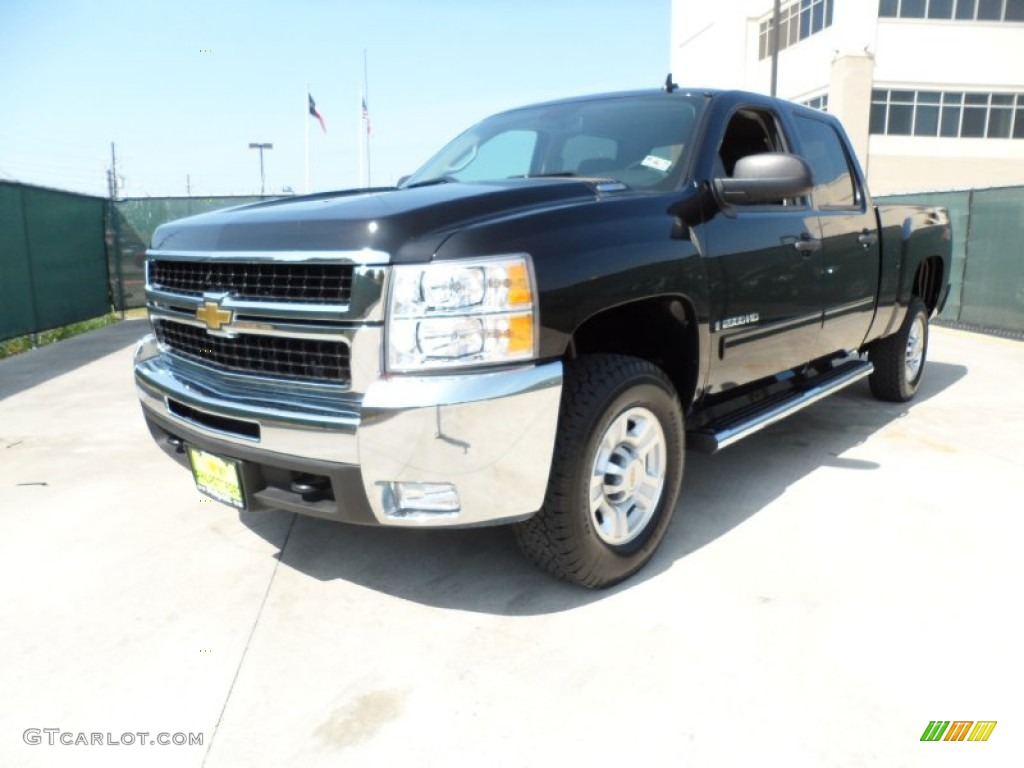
{"x": 131, "y": 223}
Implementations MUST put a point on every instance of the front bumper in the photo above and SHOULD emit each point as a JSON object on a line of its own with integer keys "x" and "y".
{"x": 490, "y": 435}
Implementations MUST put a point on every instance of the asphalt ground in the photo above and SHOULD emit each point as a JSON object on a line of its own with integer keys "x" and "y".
{"x": 828, "y": 587}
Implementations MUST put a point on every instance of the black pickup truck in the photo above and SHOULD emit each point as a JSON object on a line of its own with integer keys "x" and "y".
{"x": 533, "y": 327}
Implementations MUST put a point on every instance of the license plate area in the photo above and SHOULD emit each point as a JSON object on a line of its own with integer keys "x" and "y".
{"x": 218, "y": 477}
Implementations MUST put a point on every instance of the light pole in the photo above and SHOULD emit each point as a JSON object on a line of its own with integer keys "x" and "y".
{"x": 774, "y": 42}
{"x": 261, "y": 147}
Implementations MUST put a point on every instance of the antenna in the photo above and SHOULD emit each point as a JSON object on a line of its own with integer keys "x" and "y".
{"x": 669, "y": 86}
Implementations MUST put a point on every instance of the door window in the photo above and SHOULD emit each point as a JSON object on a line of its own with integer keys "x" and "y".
{"x": 749, "y": 132}
{"x": 834, "y": 185}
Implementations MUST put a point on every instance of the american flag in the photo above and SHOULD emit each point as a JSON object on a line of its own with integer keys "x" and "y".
{"x": 315, "y": 113}
{"x": 366, "y": 118}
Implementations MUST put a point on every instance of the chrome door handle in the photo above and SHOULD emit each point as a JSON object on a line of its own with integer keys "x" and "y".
{"x": 867, "y": 238}
{"x": 807, "y": 244}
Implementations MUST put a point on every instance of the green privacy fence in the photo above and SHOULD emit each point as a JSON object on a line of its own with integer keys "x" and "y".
{"x": 131, "y": 226}
{"x": 53, "y": 264}
{"x": 988, "y": 260}
{"x": 66, "y": 257}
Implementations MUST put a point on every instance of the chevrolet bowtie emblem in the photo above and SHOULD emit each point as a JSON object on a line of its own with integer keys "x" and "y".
{"x": 214, "y": 317}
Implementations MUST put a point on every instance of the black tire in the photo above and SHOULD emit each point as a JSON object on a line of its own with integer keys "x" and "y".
{"x": 896, "y": 378}
{"x": 569, "y": 539}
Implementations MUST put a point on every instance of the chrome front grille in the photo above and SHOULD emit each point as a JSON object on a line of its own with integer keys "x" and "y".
{"x": 281, "y": 320}
{"x": 288, "y": 357}
{"x": 314, "y": 283}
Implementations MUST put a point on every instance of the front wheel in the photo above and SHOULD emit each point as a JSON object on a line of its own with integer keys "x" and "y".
{"x": 899, "y": 359}
{"x": 615, "y": 474}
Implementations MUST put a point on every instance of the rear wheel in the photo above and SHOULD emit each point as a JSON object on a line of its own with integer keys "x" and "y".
{"x": 615, "y": 474}
{"x": 899, "y": 359}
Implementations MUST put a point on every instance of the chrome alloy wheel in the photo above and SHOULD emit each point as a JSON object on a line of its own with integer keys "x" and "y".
{"x": 915, "y": 349}
{"x": 628, "y": 476}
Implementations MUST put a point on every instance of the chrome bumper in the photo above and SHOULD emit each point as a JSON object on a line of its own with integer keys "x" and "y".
{"x": 489, "y": 435}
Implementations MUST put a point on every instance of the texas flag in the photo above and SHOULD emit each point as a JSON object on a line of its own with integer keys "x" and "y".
{"x": 313, "y": 111}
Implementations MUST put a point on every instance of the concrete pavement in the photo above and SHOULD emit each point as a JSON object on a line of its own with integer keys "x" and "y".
{"x": 828, "y": 587}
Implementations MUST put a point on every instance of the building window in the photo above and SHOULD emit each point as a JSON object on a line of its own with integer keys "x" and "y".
{"x": 818, "y": 102}
{"x": 960, "y": 10}
{"x": 797, "y": 21}
{"x": 947, "y": 114}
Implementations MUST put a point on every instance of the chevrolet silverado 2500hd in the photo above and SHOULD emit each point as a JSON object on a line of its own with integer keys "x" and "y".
{"x": 532, "y": 327}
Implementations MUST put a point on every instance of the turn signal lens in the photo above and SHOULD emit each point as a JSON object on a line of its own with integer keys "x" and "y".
{"x": 519, "y": 292}
{"x": 520, "y": 334}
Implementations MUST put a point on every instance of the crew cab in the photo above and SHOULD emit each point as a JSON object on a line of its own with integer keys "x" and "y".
{"x": 534, "y": 327}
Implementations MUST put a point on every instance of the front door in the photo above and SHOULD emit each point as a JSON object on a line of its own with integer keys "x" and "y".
{"x": 763, "y": 264}
{"x": 763, "y": 267}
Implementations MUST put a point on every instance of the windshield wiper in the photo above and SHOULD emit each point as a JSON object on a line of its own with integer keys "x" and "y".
{"x": 558, "y": 175}
{"x": 453, "y": 180}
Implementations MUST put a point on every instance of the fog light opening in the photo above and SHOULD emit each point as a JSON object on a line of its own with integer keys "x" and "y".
{"x": 405, "y": 498}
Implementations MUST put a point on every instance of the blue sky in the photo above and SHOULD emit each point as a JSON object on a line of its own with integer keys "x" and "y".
{"x": 183, "y": 87}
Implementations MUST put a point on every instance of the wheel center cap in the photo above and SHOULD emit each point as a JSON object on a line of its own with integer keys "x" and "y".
{"x": 634, "y": 472}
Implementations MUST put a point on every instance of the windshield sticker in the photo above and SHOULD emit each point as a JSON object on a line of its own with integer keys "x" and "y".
{"x": 657, "y": 163}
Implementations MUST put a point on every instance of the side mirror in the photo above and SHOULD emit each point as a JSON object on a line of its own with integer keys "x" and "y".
{"x": 765, "y": 178}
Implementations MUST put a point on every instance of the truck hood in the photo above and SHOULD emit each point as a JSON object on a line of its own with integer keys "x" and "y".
{"x": 407, "y": 224}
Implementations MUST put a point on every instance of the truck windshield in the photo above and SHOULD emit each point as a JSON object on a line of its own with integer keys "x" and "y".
{"x": 638, "y": 140}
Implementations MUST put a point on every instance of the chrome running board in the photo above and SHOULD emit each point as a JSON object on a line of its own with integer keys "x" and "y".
{"x": 749, "y": 419}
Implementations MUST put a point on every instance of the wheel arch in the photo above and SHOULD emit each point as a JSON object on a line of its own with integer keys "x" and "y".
{"x": 928, "y": 281}
{"x": 662, "y": 330}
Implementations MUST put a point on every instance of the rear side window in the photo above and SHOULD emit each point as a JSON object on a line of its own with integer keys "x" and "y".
{"x": 833, "y": 177}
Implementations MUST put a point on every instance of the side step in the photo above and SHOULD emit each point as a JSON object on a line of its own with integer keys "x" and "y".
{"x": 751, "y": 418}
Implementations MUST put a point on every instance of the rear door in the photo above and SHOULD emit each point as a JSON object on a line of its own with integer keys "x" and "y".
{"x": 849, "y": 235}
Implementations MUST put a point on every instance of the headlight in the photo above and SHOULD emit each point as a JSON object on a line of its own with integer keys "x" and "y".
{"x": 458, "y": 313}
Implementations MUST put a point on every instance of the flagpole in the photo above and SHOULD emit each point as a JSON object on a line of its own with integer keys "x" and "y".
{"x": 366, "y": 118}
{"x": 362, "y": 153}
{"x": 305, "y": 114}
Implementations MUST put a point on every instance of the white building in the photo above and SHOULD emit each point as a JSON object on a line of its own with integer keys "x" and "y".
{"x": 931, "y": 92}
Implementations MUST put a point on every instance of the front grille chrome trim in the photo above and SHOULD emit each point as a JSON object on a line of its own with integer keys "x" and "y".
{"x": 355, "y": 258}
{"x": 242, "y": 325}
{"x": 275, "y": 309}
